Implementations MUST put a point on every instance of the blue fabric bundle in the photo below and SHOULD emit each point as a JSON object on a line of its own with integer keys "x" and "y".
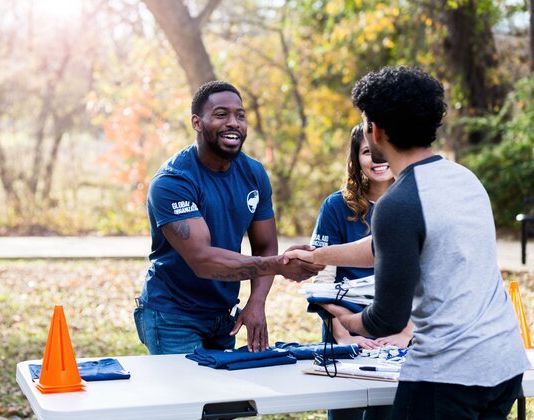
{"x": 309, "y": 351}
{"x": 94, "y": 370}
{"x": 240, "y": 358}
{"x": 313, "y": 307}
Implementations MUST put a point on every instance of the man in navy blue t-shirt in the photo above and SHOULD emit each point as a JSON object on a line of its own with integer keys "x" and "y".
{"x": 201, "y": 203}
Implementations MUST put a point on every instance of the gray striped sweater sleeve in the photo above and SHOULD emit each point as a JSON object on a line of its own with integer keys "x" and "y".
{"x": 398, "y": 236}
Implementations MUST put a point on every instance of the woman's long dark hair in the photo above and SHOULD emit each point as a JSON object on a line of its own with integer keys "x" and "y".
{"x": 357, "y": 185}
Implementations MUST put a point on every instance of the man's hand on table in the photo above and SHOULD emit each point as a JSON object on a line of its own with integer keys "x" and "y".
{"x": 253, "y": 318}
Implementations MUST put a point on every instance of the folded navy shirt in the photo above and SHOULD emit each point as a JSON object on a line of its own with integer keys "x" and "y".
{"x": 309, "y": 351}
{"x": 240, "y": 358}
{"x": 94, "y": 370}
{"x": 313, "y": 307}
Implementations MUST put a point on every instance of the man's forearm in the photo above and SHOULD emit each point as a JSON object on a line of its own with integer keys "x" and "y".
{"x": 260, "y": 286}
{"x": 351, "y": 254}
{"x": 259, "y": 289}
{"x": 226, "y": 265}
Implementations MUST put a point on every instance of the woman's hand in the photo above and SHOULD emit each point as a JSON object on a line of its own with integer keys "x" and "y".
{"x": 401, "y": 340}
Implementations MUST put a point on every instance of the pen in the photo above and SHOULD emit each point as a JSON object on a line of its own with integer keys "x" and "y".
{"x": 380, "y": 368}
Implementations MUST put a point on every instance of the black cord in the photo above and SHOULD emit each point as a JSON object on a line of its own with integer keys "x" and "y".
{"x": 329, "y": 338}
{"x": 341, "y": 293}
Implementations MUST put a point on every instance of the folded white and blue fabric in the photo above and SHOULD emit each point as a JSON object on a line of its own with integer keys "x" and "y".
{"x": 311, "y": 351}
{"x": 354, "y": 295}
{"x": 241, "y": 358}
{"x": 94, "y": 370}
{"x": 389, "y": 354}
{"x": 360, "y": 291}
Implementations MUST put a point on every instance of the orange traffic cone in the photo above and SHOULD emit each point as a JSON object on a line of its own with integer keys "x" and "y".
{"x": 520, "y": 312}
{"x": 59, "y": 372}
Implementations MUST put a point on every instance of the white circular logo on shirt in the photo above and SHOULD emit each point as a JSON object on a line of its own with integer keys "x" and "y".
{"x": 253, "y": 199}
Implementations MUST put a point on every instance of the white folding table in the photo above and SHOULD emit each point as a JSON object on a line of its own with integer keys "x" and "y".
{"x": 170, "y": 386}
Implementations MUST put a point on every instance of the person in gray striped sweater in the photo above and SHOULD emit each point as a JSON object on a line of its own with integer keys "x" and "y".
{"x": 434, "y": 253}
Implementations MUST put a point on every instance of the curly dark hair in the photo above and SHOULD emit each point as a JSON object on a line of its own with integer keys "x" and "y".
{"x": 202, "y": 94}
{"x": 404, "y": 101}
{"x": 357, "y": 185}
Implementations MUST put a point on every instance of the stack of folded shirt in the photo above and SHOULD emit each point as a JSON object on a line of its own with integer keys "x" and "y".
{"x": 310, "y": 351}
{"x": 351, "y": 294}
{"x": 240, "y": 358}
{"x": 94, "y": 370}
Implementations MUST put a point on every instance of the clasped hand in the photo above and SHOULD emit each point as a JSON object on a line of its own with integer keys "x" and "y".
{"x": 298, "y": 263}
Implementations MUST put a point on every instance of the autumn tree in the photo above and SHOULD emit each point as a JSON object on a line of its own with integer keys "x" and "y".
{"x": 46, "y": 73}
{"x": 184, "y": 33}
{"x": 531, "y": 32}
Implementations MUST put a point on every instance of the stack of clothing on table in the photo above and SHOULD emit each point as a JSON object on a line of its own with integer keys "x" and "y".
{"x": 94, "y": 370}
{"x": 241, "y": 358}
{"x": 281, "y": 354}
{"x": 311, "y": 351}
{"x": 351, "y": 294}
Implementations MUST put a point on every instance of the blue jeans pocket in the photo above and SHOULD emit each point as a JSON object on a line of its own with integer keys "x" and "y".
{"x": 138, "y": 318}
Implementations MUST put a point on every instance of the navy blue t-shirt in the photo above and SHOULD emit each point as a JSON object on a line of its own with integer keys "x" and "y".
{"x": 228, "y": 201}
{"x": 333, "y": 228}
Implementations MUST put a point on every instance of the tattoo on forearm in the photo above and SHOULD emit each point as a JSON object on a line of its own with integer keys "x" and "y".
{"x": 252, "y": 270}
{"x": 261, "y": 263}
{"x": 239, "y": 274}
{"x": 182, "y": 229}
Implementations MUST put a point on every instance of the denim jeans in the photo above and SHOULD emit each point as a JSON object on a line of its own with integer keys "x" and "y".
{"x": 165, "y": 333}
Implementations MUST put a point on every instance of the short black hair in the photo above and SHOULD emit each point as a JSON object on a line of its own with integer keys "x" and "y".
{"x": 202, "y": 94}
{"x": 404, "y": 101}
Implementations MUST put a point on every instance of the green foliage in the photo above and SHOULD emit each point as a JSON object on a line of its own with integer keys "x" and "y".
{"x": 507, "y": 169}
{"x": 295, "y": 63}
{"x": 315, "y": 50}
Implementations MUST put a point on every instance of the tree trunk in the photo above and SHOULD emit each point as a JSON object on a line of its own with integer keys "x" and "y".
{"x": 50, "y": 167}
{"x": 254, "y": 105}
{"x": 13, "y": 201}
{"x": 303, "y": 119}
{"x": 46, "y": 108}
{"x": 184, "y": 33}
{"x": 472, "y": 56}
{"x": 532, "y": 35}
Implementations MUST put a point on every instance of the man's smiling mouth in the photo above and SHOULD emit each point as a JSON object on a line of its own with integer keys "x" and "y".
{"x": 231, "y": 138}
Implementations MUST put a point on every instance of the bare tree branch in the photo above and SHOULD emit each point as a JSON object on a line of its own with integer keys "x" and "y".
{"x": 46, "y": 106}
{"x": 204, "y": 16}
{"x": 302, "y": 138}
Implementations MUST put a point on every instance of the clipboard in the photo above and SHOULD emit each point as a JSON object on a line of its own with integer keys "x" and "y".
{"x": 348, "y": 371}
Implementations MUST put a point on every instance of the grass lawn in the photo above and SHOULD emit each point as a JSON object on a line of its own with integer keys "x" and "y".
{"x": 98, "y": 298}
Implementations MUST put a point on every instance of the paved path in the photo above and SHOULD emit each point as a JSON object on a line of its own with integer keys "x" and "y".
{"x": 139, "y": 246}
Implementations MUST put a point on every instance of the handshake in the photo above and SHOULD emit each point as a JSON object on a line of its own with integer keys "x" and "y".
{"x": 296, "y": 263}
